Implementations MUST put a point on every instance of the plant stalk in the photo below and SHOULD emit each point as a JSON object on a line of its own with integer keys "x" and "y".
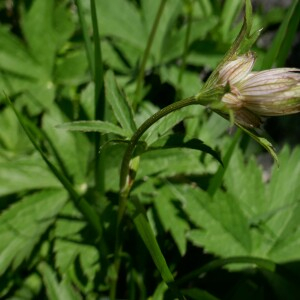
{"x": 148, "y": 48}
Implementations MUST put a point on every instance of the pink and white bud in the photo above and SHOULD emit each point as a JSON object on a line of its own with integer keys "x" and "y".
{"x": 272, "y": 92}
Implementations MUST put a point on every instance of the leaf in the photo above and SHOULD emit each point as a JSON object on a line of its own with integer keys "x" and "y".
{"x": 93, "y": 126}
{"x": 170, "y": 162}
{"x": 23, "y": 224}
{"x": 74, "y": 254}
{"x": 15, "y": 58}
{"x": 281, "y": 45}
{"x": 216, "y": 182}
{"x": 195, "y": 293}
{"x": 46, "y": 26}
{"x": 71, "y": 68}
{"x": 229, "y": 13}
{"x": 119, "y": 105}
{"x": 146, "y": 233}
{"x": 177, "y": 141}
{"x": 223, "y": 228}
{"x": 164, "y": 125}
{"x": 25, "y": 174}
{"x": 263, "y": 142}
{"x": 72, "y": 148}
{"x": 126, "y": 25}
{"x": 170, "y": 217}
{"x": 56, "y": 290}
{"x": 273, "y": 209}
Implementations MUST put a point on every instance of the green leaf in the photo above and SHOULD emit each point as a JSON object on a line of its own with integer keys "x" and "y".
{"x": 23, "y": 224}
{"x": 281, "y": 46}
{"x": 170, "y": 217}
{"x": 263, "y": 142}
{"x": 164, "y": 125}
{"x": 46, "y": 26}
{"x": 127, "y": 25}
{"x": 56, "y": 290}
{"x": 71, "y": 68}
{"x": 223, "y": 228}
{"x": 229, "y": 13}
{"x": 195, "y": 293}
{"x": 146, "y": 233}
{"x": 93, "y": 126}
{"x": 73, "y": 253}
{"x": 72, "y": 148}
{"x": 273, "y": 209}
{"x": 170, "y": 162}
{"x": 24, "y": 174}
{"x": 117, "y": 101}
{"x": 15, "y": 58}
{"x": 178, "y": 141}
{"x": 216, "y": 181}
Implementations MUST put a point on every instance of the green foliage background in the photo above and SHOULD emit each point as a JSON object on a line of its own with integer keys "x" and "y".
{"x": 227, "y": 232}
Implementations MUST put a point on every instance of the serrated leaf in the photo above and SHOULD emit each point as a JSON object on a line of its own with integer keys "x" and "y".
{"x": 23, "y": 224}
{"x": 15, "y": 58}
{"x": 223, "y": 228}
{"x": 73, "y": 149}
{"x": 170, "y": 162}
{"x": 178, "y": 141}
{"x": 73, "y": 255}
{"x": 25, "y": 174}
{"x": 273, "y": 209}
{"x": 120, "y": 107}
{"x": 93, "y": 126}
{"x": 56, "y": 290}
{"x": 170, "y": 217}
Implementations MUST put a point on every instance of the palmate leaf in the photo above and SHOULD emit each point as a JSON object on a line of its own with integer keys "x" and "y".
{"x": 57, "y": 290}
{"x": 222, "y": 225}
{"x": 23, "y": 224}
{"x": 73, "y": 255}
{"x": 251, "y": 218}
{"x": 170, "y": 217}
{"x": 46, "y": 26}
{"x": 171, "y": 162}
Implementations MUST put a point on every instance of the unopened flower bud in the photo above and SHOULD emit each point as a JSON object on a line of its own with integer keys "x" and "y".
{"x": 251, "y": 95}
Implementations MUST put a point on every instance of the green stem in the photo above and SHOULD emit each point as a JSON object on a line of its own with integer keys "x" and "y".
{"x": 99, "y": 100}
{"x": 86, "y": 37}
{"x": 186, "y": 42}
{"x": 125, "y": 178}
{"x": 147, "y": 50}
{"x": 203, "y": 98}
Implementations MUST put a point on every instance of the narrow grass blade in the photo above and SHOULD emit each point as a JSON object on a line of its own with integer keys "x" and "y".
{"x": 86, "y": 37}
{"x": 282, "y": 43}
{"x": 146, "y": 233}
{"x": 229, "y": 13}
{"x": 219, "y": 263}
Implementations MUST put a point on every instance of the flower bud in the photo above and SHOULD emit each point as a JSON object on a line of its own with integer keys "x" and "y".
{"x": 251, "y": 95}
